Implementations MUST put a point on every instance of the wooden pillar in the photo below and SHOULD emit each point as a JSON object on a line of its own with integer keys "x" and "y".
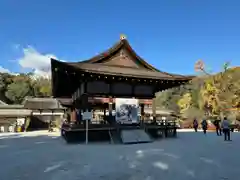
{"x": 154, "y": 110}
{"x": 104, "y": 113}
{"x": 93, "y": 113}
{"x": 142, "y": 112}
{"x": 73, "y": 115}
{"x": 79, "y": 107}
{"x": 110, "y": 108}
{"x": 77, "y": 115}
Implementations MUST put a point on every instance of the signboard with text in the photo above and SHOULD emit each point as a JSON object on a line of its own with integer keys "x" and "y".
{"x": 87, "y": 115}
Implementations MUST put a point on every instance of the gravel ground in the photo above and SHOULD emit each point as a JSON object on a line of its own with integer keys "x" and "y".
{"x": 190, "y": 156}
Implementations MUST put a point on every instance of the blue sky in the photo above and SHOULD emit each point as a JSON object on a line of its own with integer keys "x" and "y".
{"x": 170, "y": 34}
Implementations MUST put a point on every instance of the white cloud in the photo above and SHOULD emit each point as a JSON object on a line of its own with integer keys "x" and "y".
{"x": 39, "y": 63}
{"x": 3, "y": 70}
{"x": 33, "y": 61}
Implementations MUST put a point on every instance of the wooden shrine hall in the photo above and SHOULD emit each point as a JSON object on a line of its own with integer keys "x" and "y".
{"x": 116, "y": 73}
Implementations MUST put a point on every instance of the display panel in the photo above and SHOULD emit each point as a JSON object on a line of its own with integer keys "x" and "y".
{"x": 127, "y": 111}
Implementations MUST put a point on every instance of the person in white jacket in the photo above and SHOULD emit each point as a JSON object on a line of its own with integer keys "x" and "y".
{"x": 226, "y": 129}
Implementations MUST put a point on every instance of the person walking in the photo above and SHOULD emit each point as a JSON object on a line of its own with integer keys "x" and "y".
{"x": 50, "y": 126}
{"x": 204, "y": 126}
{"x": 226, "y": 129}
{"x": 218, "y": 127}
{"x": 195, "y": 124}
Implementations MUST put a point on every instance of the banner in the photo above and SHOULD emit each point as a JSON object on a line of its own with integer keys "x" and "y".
{"x": 127, "y": 111}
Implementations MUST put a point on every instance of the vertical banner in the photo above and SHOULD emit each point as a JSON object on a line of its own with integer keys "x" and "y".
{"x": 127, "y": 111}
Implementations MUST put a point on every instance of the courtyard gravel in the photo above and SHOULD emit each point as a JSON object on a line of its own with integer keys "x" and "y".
{"x": 192, "y": 155}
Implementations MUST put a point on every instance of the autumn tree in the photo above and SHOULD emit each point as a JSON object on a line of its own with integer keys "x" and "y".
{"x": 185, "y": 102}
{"x": 211, "y": 94}
{"x": 220, "y": 91}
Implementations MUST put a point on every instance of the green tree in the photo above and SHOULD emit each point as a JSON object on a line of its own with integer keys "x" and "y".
{"x": 19, "y": 89}
{"x": 42, "y": 87}
{"x": 168, "y": 99}
{"x": 5, "y": 80}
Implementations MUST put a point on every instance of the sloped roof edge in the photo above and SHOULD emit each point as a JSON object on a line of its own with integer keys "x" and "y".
{"x": 116, "y": 47}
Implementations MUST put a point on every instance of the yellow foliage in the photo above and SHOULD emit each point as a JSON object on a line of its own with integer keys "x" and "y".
{"x": 45, "y": 90}
{"x": 221, "y": 91}
{"x": 185, "y": 102}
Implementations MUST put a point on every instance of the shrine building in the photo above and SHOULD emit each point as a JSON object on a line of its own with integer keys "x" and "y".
{"x": 98, "y": 82}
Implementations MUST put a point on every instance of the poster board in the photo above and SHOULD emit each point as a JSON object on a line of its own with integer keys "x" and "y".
{"x": 127, "y": 111}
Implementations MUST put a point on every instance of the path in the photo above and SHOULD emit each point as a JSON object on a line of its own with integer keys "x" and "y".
{"x": 191, "y": 156}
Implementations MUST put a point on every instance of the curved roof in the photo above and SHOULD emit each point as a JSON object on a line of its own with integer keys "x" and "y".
{"x": 126, "y": 71}
{"x": 138, "y": 67}
{"x": 42, "y": 104}
{"x": 122, "y": 44}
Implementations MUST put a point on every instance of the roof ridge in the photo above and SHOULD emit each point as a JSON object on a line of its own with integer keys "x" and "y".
{"x": 118, "y": 66}
{"x": 116, "y": 47}
{"x": 103, "y": 54}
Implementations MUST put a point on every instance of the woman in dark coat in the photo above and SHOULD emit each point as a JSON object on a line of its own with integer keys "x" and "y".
{"x": 204, "y": 126}
{"x": 195, "y": 124}
{"x": 218, "y": 127}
